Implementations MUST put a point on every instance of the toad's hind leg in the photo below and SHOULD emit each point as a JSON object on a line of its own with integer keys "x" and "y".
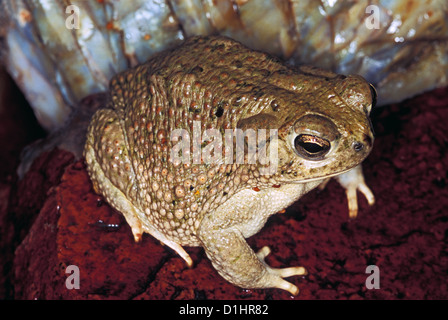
{"x": 236, "y": 262}
{"x": 114, "y": 178}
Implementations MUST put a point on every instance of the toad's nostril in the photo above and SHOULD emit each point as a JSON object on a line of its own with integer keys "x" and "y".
{"x": 368, "y": 140}
{"x": 358, "y": 146}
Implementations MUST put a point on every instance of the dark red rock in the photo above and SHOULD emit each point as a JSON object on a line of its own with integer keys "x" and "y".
{"x": 405, "y": 233}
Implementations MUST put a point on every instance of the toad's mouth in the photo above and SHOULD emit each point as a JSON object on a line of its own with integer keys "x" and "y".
{"x": 306, "y": 180}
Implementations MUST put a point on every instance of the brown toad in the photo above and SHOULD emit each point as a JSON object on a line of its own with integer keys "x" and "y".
{"x": 320, "y": 125}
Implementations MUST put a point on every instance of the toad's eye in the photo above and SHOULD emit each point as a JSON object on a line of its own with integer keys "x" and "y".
{"x": 311, "y": 147}
{"x": 373, "y": 94}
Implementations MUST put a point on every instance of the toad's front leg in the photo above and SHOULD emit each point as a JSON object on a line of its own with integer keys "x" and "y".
{"x": 239, "y": 264}
{"x": 353, "y": 181}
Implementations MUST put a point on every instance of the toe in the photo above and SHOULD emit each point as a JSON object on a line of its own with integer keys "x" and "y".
{"x": 263, "y": 252}
{"x": 285, "y": 285}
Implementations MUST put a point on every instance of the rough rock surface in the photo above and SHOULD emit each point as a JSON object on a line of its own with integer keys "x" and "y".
{"x": 53, "y": 219}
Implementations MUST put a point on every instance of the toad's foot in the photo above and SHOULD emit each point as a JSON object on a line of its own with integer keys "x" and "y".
{"x": 282, "y": 272}
{"x": 352, "y": 181}
{"x": 239, "y": 264}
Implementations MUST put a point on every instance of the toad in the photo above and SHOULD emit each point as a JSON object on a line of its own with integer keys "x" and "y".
{"x": 316, "y": 126}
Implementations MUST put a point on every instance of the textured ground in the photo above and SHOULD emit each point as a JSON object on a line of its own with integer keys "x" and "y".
{"x": 52, "y": 219}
